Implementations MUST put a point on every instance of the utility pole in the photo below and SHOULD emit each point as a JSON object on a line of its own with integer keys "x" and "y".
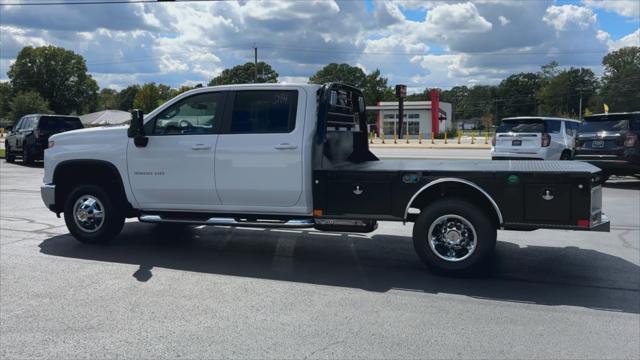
{"x": 581, "y": 89}
{"x": 255, "y": 61}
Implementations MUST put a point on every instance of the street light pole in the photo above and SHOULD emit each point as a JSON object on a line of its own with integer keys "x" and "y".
{"x": 401, "y": 93}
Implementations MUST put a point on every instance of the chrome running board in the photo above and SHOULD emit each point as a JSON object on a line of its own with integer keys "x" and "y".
{"x": 220, "y": 221}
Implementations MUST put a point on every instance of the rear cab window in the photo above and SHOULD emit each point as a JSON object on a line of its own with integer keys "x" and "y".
{"x": 59, "y": 123}
{"x": 264, "y": 111}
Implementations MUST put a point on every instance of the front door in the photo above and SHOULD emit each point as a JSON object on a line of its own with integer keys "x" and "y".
{"x": 175, "y": 170}
{"x": 259, "y": 154}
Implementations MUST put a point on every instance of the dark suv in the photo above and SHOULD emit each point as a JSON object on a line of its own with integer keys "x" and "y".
{"x": 610, "y": 142}
{"x": 30, "y": 136}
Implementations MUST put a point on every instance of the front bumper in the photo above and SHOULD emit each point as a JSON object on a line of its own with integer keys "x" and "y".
{"x": 48, "y": 194}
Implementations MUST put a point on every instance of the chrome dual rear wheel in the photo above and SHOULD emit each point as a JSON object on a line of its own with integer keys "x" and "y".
{"x": 454, "y": 236}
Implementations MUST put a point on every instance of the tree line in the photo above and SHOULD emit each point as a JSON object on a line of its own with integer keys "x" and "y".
{"x": 51, "y": 79}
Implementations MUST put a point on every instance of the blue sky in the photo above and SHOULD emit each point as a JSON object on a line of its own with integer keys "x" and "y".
{"x": 419, "y": 43}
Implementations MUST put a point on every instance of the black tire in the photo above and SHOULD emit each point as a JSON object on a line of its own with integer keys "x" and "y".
{"x": 26, "y": 156}
{"x": 8, "y": 156}
{"x": 566, "y": 155}
{"x": 470, "y": 261}
{"x": 111, "y": 224}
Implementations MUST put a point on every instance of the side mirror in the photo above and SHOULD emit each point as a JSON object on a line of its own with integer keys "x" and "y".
{"x": 136, "y": 129}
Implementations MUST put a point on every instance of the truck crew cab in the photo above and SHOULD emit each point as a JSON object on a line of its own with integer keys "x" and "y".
{"x": 293, "y": 156}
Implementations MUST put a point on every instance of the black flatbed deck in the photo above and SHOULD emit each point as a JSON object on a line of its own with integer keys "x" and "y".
{"x": 470, "y": 166}
{"x": 528, "y": 194}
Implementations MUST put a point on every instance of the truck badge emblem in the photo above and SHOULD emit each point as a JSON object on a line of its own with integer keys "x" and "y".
{"x": 547, "y": 195}
{"x": 357, "y": 190}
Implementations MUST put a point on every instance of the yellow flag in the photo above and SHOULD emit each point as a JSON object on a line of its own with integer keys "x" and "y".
{"x": 606, "y": 108}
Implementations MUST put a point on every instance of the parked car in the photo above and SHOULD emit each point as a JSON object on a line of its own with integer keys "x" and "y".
{"x": 30, "y": 137}
{"x": 297, "y": 156}
{"x": 534, "y": 138}
{"x": 610, "y": 142}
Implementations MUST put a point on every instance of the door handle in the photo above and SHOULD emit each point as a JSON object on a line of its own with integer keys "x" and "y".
{"x": 285, "y": 146}
{"x": 201, "y": 147}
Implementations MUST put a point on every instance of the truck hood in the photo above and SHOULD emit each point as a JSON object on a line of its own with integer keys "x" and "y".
{"x": 100, "y": 134}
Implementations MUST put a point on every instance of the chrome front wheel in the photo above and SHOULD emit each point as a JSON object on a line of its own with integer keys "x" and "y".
{"x": 88, "y": 213}
{"x": 92, "y": 215}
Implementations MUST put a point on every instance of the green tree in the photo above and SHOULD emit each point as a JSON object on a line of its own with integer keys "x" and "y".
{"x": 621, "y": 79}
{"x": 245, "y": 74}
{"x": 517, "y": 95}
{"x": 478, "y": 101}
{"x": 127, "y": 96}
{"x": 29, "y": 102}
{"x": 107, "y": 99}
{"x": 5, "y": 98}
{"x": 342, "y": 73}
{"x": 148, "y": 98}
{"x": 373, "y": 85}
{"x": 549, "y": 71}
{"x": 561, "y": 95}
{"x": 58, "y": 75}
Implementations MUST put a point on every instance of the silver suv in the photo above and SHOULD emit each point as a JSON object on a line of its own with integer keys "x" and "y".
{"x": 535, "y": 138}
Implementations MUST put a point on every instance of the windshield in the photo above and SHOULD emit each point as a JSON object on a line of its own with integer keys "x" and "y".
{"x": 55, "y": 123}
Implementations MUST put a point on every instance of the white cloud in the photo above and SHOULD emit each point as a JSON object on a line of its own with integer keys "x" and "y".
{"x": 628, "y": 8}
{"x": 632, "y": 39}
{"x": 462, "y": 17}
{"x": 456, "y": 42}
{"x": 566, "y": 17}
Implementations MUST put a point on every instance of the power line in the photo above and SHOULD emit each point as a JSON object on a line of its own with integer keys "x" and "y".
{"x": 101, "y": 2}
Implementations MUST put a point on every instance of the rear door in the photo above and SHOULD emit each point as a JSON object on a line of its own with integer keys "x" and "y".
{"x": 259, "y": 155}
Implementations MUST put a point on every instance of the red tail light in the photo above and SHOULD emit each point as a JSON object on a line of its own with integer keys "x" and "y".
{"x": 493, "y": 140}
{"x": 545, "y": 140}
{"x": 630, "y": 140}
{"x": 583, "y": 223}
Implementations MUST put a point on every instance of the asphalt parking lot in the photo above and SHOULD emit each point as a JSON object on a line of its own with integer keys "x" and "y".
{"x": 223, "y": 292}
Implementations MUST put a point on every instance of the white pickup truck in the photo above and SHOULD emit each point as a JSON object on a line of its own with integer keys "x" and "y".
{"x": 278, "y": 155}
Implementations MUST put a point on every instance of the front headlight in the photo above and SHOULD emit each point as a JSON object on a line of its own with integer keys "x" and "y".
{"x": 51, "y": 143}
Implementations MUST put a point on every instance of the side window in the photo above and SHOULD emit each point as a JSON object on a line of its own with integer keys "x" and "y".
{"x": 264, "y": 111}
{"x": 553, "y": 126}
{"x": 198, "y": 114}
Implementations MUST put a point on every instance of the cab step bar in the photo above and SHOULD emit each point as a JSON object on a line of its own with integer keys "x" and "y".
{"x": 225, "y": 221}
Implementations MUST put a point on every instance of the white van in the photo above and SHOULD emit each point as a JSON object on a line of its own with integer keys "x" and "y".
{"x": 534, "y": 138}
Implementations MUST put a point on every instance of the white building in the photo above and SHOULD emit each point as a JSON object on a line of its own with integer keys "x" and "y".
{"x": 417, "y": 118}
